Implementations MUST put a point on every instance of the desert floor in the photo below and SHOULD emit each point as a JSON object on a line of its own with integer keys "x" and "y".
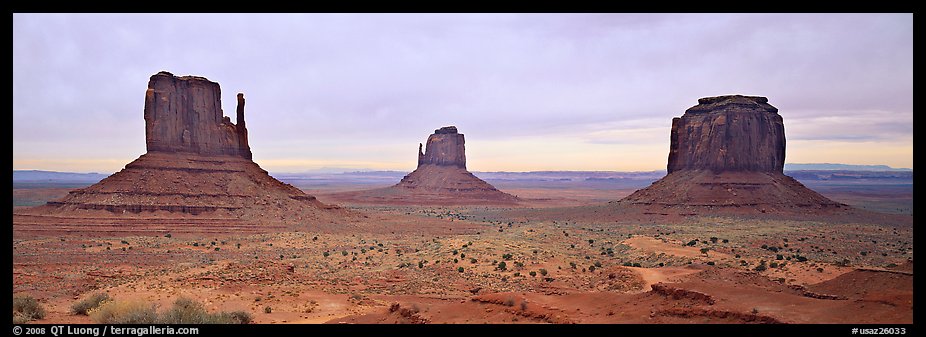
{"x": 482, "y": 264}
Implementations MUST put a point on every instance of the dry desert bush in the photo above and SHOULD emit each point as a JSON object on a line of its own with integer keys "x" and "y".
{"x": 26, "y": 308}
{"x": 183, "y": 311}
{"x": 89, "y": 303}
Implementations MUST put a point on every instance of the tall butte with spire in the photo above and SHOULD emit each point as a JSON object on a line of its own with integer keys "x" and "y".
{"x": 727, "y": 154}
{"x": 197, "y": 170}
{"x": 440, "y": 179}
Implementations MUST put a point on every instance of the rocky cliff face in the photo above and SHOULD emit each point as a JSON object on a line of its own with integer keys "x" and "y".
{"x": 198, "y": 165}
{"x": 440, "y": 179}
{"x": 184, "y": 114}
{"x": 444, "y": 148}
{"x": 728, "y": 133}
{"x": 726, "y": 155}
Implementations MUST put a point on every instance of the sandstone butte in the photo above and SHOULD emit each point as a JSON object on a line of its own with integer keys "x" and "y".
{"x": 441, "y": 178}
{"x": 197, "y": 167}
{"x": 727, "y": 154}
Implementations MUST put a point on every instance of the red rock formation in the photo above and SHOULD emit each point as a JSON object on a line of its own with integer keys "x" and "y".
{"x": 184, "y": 114}
{"x": 728, "y": 133}
{"x": 198, "y": 165}
{"x": 444, "y": 148}
{"x": 242, "y": 132}
{"x": 440, "y": 179}
{"x": 727, "y": 154}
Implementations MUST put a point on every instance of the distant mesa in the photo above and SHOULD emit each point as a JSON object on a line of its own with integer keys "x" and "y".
{"x": 198, "y": 168}
{"x": 727, "y": 154}
{"x": 441, "y": 178}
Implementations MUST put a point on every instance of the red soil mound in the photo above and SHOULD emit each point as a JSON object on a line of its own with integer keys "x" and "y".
{"x": 730, "y": 191}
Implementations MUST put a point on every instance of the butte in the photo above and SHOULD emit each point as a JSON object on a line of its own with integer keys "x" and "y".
{"x": 440, "y": 179}
{"x": 197, "y": 175}
{"x": 727, "y": 155}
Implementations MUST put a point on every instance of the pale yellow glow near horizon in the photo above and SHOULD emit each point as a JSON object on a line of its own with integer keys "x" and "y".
{"x": 538, "y": 154}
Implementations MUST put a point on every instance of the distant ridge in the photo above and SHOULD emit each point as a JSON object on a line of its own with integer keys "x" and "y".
{"x": 53, "y": 176}
{"x": 842, "y": 167}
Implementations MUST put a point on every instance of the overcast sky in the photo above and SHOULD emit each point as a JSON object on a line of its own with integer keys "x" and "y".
{"x": 529, "y": 91}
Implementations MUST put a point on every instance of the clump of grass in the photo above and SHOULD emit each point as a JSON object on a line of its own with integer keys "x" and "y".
{"x": 89, "y": 303}
{"x": 234, "y": 317}
{"x": 124, "y": 312}
{"x": 183, "y": 311}
{"x": 509, "y": 302}
{"x": 187, "y": 311}
{"x": 18, "y": 319}
{"x": 26, "y": 308}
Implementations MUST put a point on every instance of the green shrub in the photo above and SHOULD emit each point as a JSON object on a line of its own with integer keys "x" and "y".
{"x": 459, "y": 269}
{"x": 27, "y": 308}
{"x": 502, "y": 266}
{"x": 85, "y": 305}
{"x": 533, "y": 273}
{"x": 543, "y": 272}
